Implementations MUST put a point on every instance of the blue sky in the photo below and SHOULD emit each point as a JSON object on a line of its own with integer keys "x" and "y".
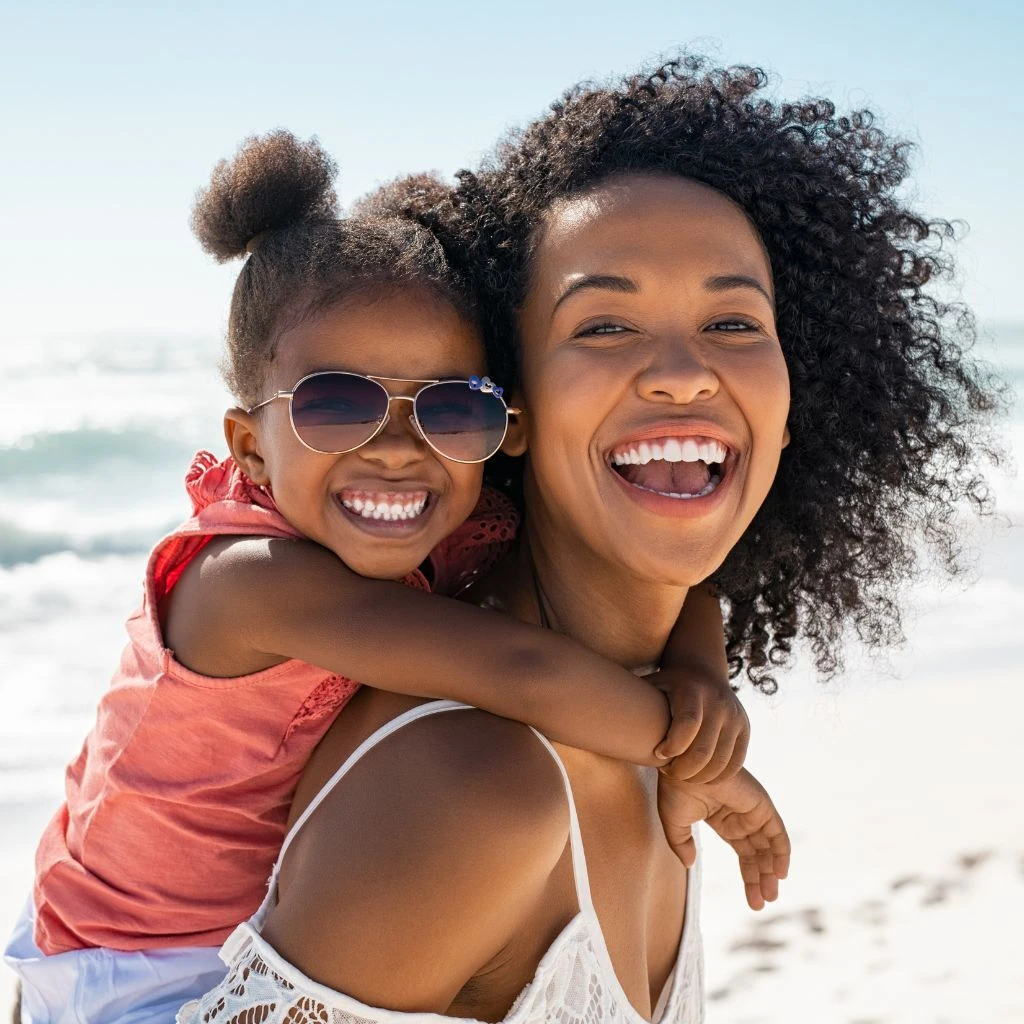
{"x": 114, "y": 114}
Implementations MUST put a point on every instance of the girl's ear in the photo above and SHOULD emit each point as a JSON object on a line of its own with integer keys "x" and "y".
{"x": 241, "y": 434}
{"x": 516, "y": 438}
{"x": 785, "y": 437}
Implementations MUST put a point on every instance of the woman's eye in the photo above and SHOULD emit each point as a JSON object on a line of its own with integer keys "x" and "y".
{"x": 592, "y": 330}
{"x": 734, "y": 326}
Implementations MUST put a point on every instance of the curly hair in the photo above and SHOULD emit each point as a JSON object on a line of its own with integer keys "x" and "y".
{"x": 275, "y": 201}
{"x": 888, "y": 412}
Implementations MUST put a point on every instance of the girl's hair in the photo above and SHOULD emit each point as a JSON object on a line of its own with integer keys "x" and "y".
{"x": 275, "y": 201}
{"x": 887, "y": 409}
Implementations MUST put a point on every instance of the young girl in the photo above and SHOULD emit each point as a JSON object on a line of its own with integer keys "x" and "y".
{"x": 365, "y": 416}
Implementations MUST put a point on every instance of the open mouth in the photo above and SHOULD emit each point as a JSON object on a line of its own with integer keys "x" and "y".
{"x": 385, "y": 506}
{"x": 674, "y": 467}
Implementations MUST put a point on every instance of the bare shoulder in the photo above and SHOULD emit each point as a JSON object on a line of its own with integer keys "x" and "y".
{"x": 452, "y": 775}
{"x": 443, "y": 836}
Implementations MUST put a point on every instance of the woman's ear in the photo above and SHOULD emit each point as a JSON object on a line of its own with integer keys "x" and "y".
{"x": 242, "y": 436}
{"x": 785, "y": 437}
{"x": 516, "y": 442}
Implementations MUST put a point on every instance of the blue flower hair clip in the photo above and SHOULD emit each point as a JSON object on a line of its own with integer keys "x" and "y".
{"x": 486, "y": 385}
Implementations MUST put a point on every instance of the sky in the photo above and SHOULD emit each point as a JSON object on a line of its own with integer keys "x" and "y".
{"x": 115, "y": 113}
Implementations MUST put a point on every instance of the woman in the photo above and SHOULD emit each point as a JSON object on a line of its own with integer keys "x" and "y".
{"x": 658, "y": 253}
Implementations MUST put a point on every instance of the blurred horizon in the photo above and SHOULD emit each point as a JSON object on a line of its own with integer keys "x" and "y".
{"x": 118, "y": 112}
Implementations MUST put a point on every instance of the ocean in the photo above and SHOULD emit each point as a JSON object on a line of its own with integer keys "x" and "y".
{"x": 913, "y": 754}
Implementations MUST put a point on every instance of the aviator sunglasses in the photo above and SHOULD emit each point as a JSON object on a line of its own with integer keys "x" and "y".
{"x": 334, "y": 412}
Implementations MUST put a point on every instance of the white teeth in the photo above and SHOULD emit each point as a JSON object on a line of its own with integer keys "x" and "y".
{"x": 671, "y": 450}
{"x": 691, "y": 450}
{"x": 707, "y": 489}
{"x": 389, "y": 511}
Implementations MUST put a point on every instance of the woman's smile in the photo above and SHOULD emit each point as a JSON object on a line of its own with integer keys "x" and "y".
{"x": 674, "y": 460}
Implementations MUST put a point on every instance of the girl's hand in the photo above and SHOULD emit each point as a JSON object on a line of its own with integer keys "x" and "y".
{"x": 707, "y": 740}
{"x": 741, "y": 812}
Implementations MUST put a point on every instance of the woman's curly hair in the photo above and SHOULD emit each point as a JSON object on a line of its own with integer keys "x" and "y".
{"x": 888, "y": 412}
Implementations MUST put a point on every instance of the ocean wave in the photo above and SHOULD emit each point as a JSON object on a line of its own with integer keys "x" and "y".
{"x": 20, "y": 546}
{"x": 135, "y": 354}
{"x": 82, "y": 451}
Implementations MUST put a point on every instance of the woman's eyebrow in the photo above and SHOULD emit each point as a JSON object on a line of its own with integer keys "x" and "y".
{"x": 726, "y": 282}
{"x": 606, "y": 282}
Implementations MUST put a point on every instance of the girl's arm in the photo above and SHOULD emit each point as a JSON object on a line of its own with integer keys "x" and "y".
{"x": 710, "y": 731}
{"x": 247, "y": 604}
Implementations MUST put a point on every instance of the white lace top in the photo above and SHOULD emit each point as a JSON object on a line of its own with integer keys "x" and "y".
{"x": 574, "y": 983}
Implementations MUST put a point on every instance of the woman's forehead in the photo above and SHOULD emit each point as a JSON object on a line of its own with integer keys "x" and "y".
{"x": 648, "y": 219}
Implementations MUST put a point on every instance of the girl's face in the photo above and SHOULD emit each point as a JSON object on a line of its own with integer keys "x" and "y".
{"x": 654, "y": 386}
{"x": 407, "y": 333}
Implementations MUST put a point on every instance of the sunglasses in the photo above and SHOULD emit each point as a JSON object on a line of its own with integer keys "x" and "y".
{"x": 334, "y": 412}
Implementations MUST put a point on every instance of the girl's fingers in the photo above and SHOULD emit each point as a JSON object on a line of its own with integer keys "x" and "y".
{"x": 739, "y": 753}
{"x": 684, "y": 847}
{"x": 769, "y": 887}
{"x": 754, "y": 898}
{"x": 718, "y": 767}
{"x": 781, "y": 848}
{"x": 683, "y": 730}
{"x": 690, "y": 764}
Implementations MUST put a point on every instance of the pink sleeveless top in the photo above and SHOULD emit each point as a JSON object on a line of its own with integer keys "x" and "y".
{"x": 176, "y": 806}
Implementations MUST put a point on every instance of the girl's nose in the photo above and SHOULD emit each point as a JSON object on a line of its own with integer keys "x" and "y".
{"x": 679, "y": 372}
{"x": 399, "y": 442}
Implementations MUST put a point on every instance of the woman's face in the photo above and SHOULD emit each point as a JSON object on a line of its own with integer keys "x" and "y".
{"x": 654, "y": 386}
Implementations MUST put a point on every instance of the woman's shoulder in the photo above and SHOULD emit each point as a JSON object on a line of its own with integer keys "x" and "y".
{"x": 442, "y": 836}
{"x": 453, "y": 762}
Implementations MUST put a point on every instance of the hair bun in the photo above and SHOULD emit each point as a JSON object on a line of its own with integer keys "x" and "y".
{"x": 273, "y": 181}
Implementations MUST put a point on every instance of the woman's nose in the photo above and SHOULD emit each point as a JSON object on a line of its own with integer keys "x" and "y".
{"x": 679, "y": 372}
{"x": 399, "y": 442}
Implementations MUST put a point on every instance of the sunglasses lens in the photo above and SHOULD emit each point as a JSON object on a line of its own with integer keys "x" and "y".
{"x": 336, "y": 412}
{"x": 464, "y": 425}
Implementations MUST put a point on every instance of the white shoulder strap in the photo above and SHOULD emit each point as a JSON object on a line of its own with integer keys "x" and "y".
{"x": 407, "y": 717}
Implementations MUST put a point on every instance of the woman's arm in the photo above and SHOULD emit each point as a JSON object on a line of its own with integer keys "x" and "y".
{"x": 251, "y": 603}
{"x": 435, "y": 863}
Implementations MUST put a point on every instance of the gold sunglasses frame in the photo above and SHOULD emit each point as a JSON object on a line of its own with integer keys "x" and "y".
{"x": 487, "y": 388}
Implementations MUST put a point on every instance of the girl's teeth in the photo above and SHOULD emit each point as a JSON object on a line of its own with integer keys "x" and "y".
{"x": 387, "y": 510}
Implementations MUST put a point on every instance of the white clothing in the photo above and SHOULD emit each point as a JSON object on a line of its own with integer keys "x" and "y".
{"x": 574, "y": 983}
{"x": 106, "y": 986}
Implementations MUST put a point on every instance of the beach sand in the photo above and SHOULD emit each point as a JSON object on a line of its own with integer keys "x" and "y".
{"x": 907, "y": 883}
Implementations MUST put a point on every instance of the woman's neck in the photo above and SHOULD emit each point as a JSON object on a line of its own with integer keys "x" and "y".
{"x": 560, "y": 584}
